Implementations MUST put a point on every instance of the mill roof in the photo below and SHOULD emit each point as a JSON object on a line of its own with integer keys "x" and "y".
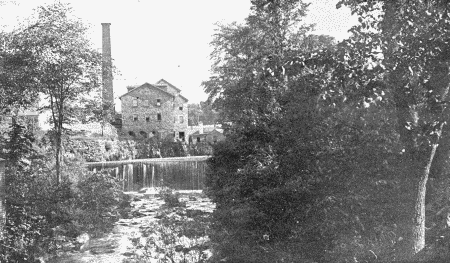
{"x": 148, "y": 85}
{"x": 168, "y": 83}
{"x": 181, "y": 96}
{"x": 197, "y": 133}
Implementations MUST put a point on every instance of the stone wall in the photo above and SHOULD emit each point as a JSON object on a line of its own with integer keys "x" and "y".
{"x": 179, "y": 126}
{"x": 95, "y": 128}
{"x": 99, "y": 149}
{"x": 147, "y": 121}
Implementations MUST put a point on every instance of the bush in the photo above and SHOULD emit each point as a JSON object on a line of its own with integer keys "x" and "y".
{"x": 40, "y": 214}
{"x": 36, "y": 213}
{"x": 171, "y": 198}
{"x": 322, "y": 190}
{"x": 98, "y": 196}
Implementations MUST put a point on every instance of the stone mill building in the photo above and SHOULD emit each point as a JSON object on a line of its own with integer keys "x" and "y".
{"x": 155, "y": 110}
{"x": 149, "y": 109}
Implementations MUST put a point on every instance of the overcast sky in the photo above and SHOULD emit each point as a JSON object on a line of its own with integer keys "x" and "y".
{"x": 154, "y": 39}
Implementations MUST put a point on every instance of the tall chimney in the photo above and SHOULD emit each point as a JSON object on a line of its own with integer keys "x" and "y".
{"x": 107, "y": 76}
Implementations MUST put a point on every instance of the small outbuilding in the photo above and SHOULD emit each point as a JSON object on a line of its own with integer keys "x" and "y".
{"x": 213, "y": 136}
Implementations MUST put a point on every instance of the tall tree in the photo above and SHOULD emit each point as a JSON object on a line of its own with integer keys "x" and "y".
{"x": 408, "y": 40}
{"x": 265, "y": 171}
{"x": 202, "y": 112}
{"x": 65, "y": 64}
{"x": 243, "y": 53}
{"x": 194, "y": 114}
{"x": 17, "y": 86}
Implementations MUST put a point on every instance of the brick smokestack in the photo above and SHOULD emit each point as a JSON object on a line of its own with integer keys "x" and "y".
{"x": 107, "y": 76}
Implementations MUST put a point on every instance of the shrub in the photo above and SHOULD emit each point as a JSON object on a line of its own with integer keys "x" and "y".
{"x": 98, "y": 196}
{"x": 39, "y": 212}
{"x": 171, "y": 198}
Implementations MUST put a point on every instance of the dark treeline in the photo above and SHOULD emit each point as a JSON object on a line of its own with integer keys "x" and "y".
{"x": 330, "y": 146}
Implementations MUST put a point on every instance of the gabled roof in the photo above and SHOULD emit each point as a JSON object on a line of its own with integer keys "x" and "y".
{"x": 217, "y": 131}
{"x": 165, "y": 81}
{"x": 183, "y": 97}
{"x": 147, "y": 85}
{"x": 197, "y": 133}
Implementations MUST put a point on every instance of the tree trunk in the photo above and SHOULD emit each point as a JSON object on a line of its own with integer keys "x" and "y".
{"x": 416, "y": 164}
{"x": 58, "y": 156}
{"x": 418, "y": 229}
{"x": 440, "y": 80}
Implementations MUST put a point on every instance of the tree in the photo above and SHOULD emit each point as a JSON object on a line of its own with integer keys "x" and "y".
{"x": 265, "y": 177}
{"x": 304, "y": 113}
{"x": 242, "y": 54}
{"x": 64, "y": 64}
{"x": 407, "y": 41}
{"x": 194, "y": 113}
{"x": 202, "y": 112}
{"x": 209, "y": 116}
{"x": 17, "y": 88}
{"x": 92, "y": 109}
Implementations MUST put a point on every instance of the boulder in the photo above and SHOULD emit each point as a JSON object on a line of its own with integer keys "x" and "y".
{"x": 83, "y": 241}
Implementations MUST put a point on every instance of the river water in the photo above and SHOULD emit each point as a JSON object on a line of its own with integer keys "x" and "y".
{"x": 116, "y": 247}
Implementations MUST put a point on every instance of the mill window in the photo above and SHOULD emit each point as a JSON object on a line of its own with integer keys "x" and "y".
{"x": 181, "y": 119}
{"x": 158, "y": 102}
{"x": 135, "y": 118}
{"x": 158, "y": 116}
{"x": 147, "y": 119}
{"x": 135, "y": 102}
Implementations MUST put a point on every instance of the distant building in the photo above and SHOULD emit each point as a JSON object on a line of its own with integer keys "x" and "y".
{"x": 155, "y": 110}
{"x": 213, "y": 136}
{"x": 30, "y": 117}
{"x": 205, "y": 133}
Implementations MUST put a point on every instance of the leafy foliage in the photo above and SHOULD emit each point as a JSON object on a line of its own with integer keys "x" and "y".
{"x": 38, "y": 211}
{"x": 347, "y": 133}
{"x": 202, "y": 112}
{"x": 17, "y": 85}
{"x": 399, "y": 53}
{"x": 265, "y": 177}
{"x": 33, "y": 206}
{"x": 98, "y": 197}
{"x": 171, "y": 198}
{"x": 63, "y": 64}
{"x": 315, "y": 128}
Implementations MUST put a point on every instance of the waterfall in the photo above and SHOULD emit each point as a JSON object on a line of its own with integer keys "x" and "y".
{"x": 153, "y": 176}
{"x": 180, "y": 173}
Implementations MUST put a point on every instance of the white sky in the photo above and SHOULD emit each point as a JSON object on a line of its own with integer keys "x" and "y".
{"x": 154, "y": 39}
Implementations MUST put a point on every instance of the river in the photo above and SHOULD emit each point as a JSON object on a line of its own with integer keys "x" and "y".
{"x": 117, "y": 246}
